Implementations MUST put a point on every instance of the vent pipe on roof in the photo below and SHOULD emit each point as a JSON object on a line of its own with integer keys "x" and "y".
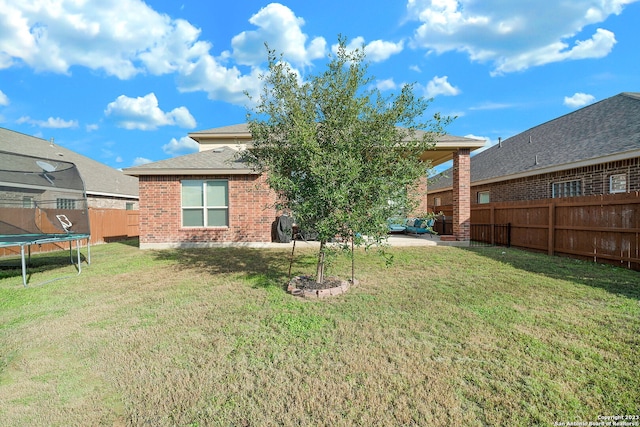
{"x": 500, "y": 141}
{"x": 529, "y": 139}
{"x": 51, "y": 143}
{"x": 536, "y": 159}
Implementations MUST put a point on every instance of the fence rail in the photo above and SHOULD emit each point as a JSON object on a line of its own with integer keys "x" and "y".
{"x": 603, "y": 229}
{"x": 491, "y": 234}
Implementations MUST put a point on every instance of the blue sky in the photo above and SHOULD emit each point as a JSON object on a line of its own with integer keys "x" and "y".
{"x": 124, "y": 81}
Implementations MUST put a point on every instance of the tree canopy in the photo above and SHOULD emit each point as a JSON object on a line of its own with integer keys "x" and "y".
{"x": 341, "y": 157}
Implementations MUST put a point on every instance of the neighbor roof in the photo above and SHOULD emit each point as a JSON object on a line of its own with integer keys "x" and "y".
{"x": 219, "y": 161}
{"x": 605, "y": 131}
{"x": 99, "y": 179}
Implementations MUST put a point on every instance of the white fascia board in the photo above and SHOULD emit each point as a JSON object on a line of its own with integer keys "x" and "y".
{"x": 122, "y": 196}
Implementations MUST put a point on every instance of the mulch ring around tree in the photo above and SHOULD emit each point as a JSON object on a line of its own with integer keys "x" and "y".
{"x": 307, "y": 287}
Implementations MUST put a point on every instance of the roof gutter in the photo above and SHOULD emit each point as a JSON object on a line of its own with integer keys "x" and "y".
{"x": 102, "y": 194}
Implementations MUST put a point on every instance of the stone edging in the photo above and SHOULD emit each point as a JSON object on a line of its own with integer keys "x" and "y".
{"x": 319, "y": 293}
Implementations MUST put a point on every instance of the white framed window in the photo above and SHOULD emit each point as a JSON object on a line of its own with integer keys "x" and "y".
{"x": 205, "y": 203}
{"x": 483, "y": 197}
{"x": 618, "y": 183}
{"x": 437, "y": 201}
{"x": 129, "y": 206}
{"x": 566, "y": 189}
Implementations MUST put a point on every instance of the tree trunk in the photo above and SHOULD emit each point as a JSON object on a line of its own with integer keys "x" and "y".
{"x": 353, "y": 261}
{"x": 320, "y": 269}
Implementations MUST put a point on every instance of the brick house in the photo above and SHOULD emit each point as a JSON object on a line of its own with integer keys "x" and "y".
{"x": 592, "y": 151}
{"x": 209, "y": 198}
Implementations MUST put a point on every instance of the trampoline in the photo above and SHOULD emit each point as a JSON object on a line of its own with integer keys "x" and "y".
{"x": 42, "y": 201}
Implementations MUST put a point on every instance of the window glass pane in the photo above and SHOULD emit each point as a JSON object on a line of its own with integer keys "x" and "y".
{"x": 27, "y": 202}
{"x": 192, "y": 218}
{"x": 483, "y": 197}
{"x": 217, "y": 217}
{"x": 618, "y": 183}
{"x": 216, "y": 193}
{"x": 567, "y": 189}
{"x": 65, "y": 204}
{"x": 192, "y": 193}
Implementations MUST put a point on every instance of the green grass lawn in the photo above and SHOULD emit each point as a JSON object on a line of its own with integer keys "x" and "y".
{"x": 443, "y": 336}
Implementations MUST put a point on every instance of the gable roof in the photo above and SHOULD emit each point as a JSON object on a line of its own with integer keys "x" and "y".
{"x": 605, "y": 131}
{"x": 99, "y": 179}
{"x": 237, "y": 129}
{"x": 219, "y": 161}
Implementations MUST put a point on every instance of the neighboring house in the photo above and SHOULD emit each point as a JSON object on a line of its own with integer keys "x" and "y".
{"x": 105, "y": 187}
{"x": 209, "y": 198}
{"x": 591, "y": 151}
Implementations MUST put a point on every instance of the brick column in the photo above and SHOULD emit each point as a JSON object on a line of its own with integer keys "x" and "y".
{"x": 423, "y": 201}
{"x": 462, "y": 194}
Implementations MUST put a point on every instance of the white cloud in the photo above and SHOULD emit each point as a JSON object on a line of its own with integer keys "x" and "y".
{"x": 376, "y": 51}
{"x": 143, "y": 113}
{"x": 379, "y": 50}
{"x": 387, "y": 84}
{"x": 141, "y": 161}
{"x": 440, "y": 86}
{"x": 124, "y": 38}
{"x": 597, "y": 47}
{"x": 4, "y": 99}
{"x": 91, "y": 127}
{"x": 488, "y": 143}
{"x": 281, "y": 29}
{"x": 491, "y": 106}
{"x": 578, "y": 99}
{"x": 515, "y": 36}
{"x": 120, "y": 37}
{"x": 218, "y": 81}
{"x": 51, "y": 122}
{"x": 181, "y": 146}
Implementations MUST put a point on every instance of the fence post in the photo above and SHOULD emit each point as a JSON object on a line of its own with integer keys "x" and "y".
{"x": 551, "y": 243}
{"x": 508, "y": 234}
{"x": 492, "y": 221}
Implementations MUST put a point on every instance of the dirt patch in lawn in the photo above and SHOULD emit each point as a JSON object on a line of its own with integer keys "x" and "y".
{"x": 307, "y": 287}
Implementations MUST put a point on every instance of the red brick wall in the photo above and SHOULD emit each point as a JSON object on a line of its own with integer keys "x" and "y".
{"x": 461, "y": 195}
{"x": 595, "y": 181}
{"x": 251, "y": 212}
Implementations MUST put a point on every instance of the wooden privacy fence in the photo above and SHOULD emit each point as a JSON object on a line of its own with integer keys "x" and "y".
{"x": 604, "y": 229}
{"x": 107, "y": 225}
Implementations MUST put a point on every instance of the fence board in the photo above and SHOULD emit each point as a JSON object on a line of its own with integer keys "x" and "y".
{"x": 603, "y": 228}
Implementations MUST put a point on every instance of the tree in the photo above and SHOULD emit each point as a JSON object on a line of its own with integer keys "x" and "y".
{"x": 340, "y": 156}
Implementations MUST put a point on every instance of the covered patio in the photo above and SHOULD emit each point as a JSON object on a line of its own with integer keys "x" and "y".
{"x": 458, "y": 149}
{"x": 446, "y": 147}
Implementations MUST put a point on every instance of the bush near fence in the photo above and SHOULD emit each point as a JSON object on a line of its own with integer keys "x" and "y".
{"x": 604, "y": 228}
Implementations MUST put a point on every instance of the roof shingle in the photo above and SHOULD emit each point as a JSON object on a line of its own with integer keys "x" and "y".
{"x": 605, "y": 128}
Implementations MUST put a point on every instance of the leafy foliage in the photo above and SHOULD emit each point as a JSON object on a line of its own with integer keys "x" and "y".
{"x": 341, "y": 156}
